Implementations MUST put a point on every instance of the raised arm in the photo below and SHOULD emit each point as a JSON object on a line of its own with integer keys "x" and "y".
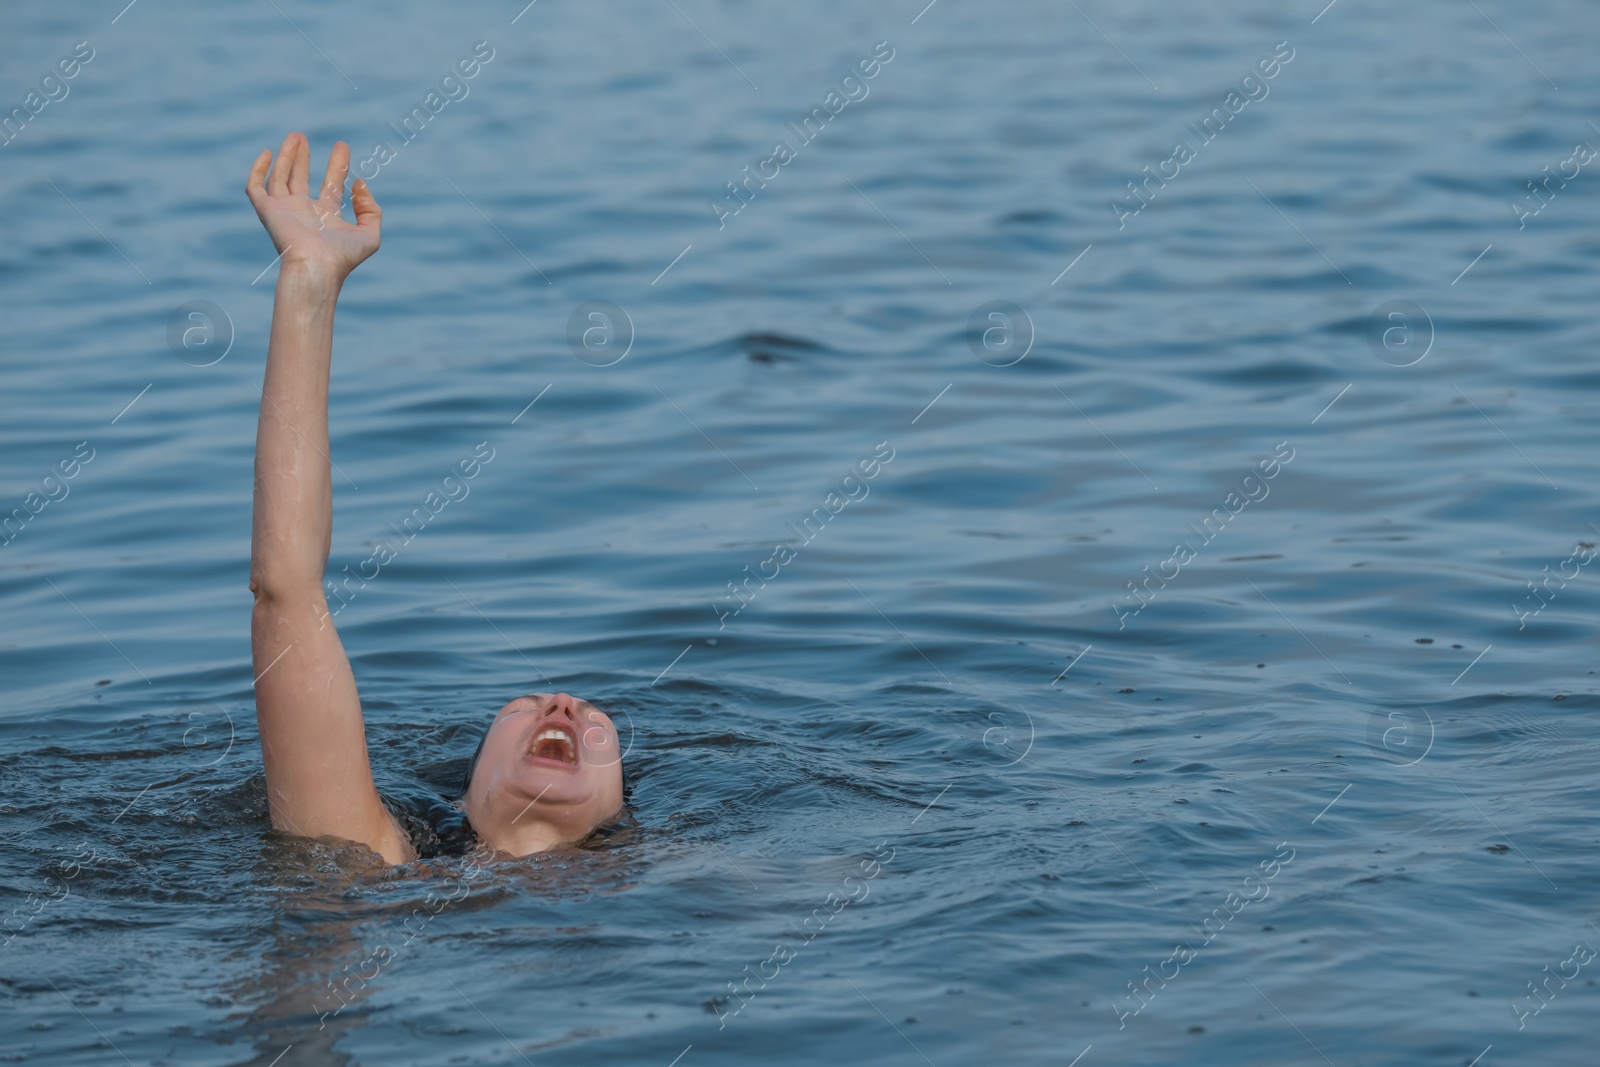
{"x": 313, "y": 743}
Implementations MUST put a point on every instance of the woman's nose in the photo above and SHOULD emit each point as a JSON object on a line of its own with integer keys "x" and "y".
{"x": 564, "y": 704}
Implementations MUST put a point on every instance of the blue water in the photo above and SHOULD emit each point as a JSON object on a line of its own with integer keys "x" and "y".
{"x": 1322, "y": 791}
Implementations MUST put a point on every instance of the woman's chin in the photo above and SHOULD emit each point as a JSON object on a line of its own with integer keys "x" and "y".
{"x": 537, "y": 781}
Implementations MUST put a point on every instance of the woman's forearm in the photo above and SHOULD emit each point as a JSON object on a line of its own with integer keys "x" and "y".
{"x": 293, "y": 519}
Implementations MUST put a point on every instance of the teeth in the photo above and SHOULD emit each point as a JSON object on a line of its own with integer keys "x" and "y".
{"x": 567, "y": 752}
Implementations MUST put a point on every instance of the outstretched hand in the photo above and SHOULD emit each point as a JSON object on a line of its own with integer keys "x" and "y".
{"x": 311, "y": 232}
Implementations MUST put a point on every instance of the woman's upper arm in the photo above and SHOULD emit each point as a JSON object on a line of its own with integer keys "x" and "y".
{"x": 313, "y": 741}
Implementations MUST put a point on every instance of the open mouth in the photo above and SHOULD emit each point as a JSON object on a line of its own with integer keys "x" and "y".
{"x": 555, "y": 743}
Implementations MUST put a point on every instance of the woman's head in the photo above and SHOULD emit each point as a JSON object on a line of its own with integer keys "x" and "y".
{"x": 548, "y": 772}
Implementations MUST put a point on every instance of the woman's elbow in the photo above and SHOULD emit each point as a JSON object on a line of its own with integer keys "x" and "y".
{"x": 275, "y": 583}
{"x": 293, "y": 606}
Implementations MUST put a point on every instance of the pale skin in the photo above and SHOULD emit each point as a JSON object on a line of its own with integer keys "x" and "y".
{"x": 550, "y": 770}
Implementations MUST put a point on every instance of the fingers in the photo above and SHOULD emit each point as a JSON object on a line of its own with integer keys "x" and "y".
{"x": 278, "y": 183}
{"x": 300, "y": 171}
{"x": 332, "y": 194}
{"x": 253, "y": 186}
{"x": 368, "y": 213}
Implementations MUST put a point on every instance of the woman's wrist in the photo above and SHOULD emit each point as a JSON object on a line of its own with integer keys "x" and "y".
{"x": 310, "y": 281}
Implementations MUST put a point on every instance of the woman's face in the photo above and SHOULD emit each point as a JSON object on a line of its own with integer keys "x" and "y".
{"x": 549, "y": 774}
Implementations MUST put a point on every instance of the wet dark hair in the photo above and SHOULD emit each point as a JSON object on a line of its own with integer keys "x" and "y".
{"x": 472, "y": 764}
